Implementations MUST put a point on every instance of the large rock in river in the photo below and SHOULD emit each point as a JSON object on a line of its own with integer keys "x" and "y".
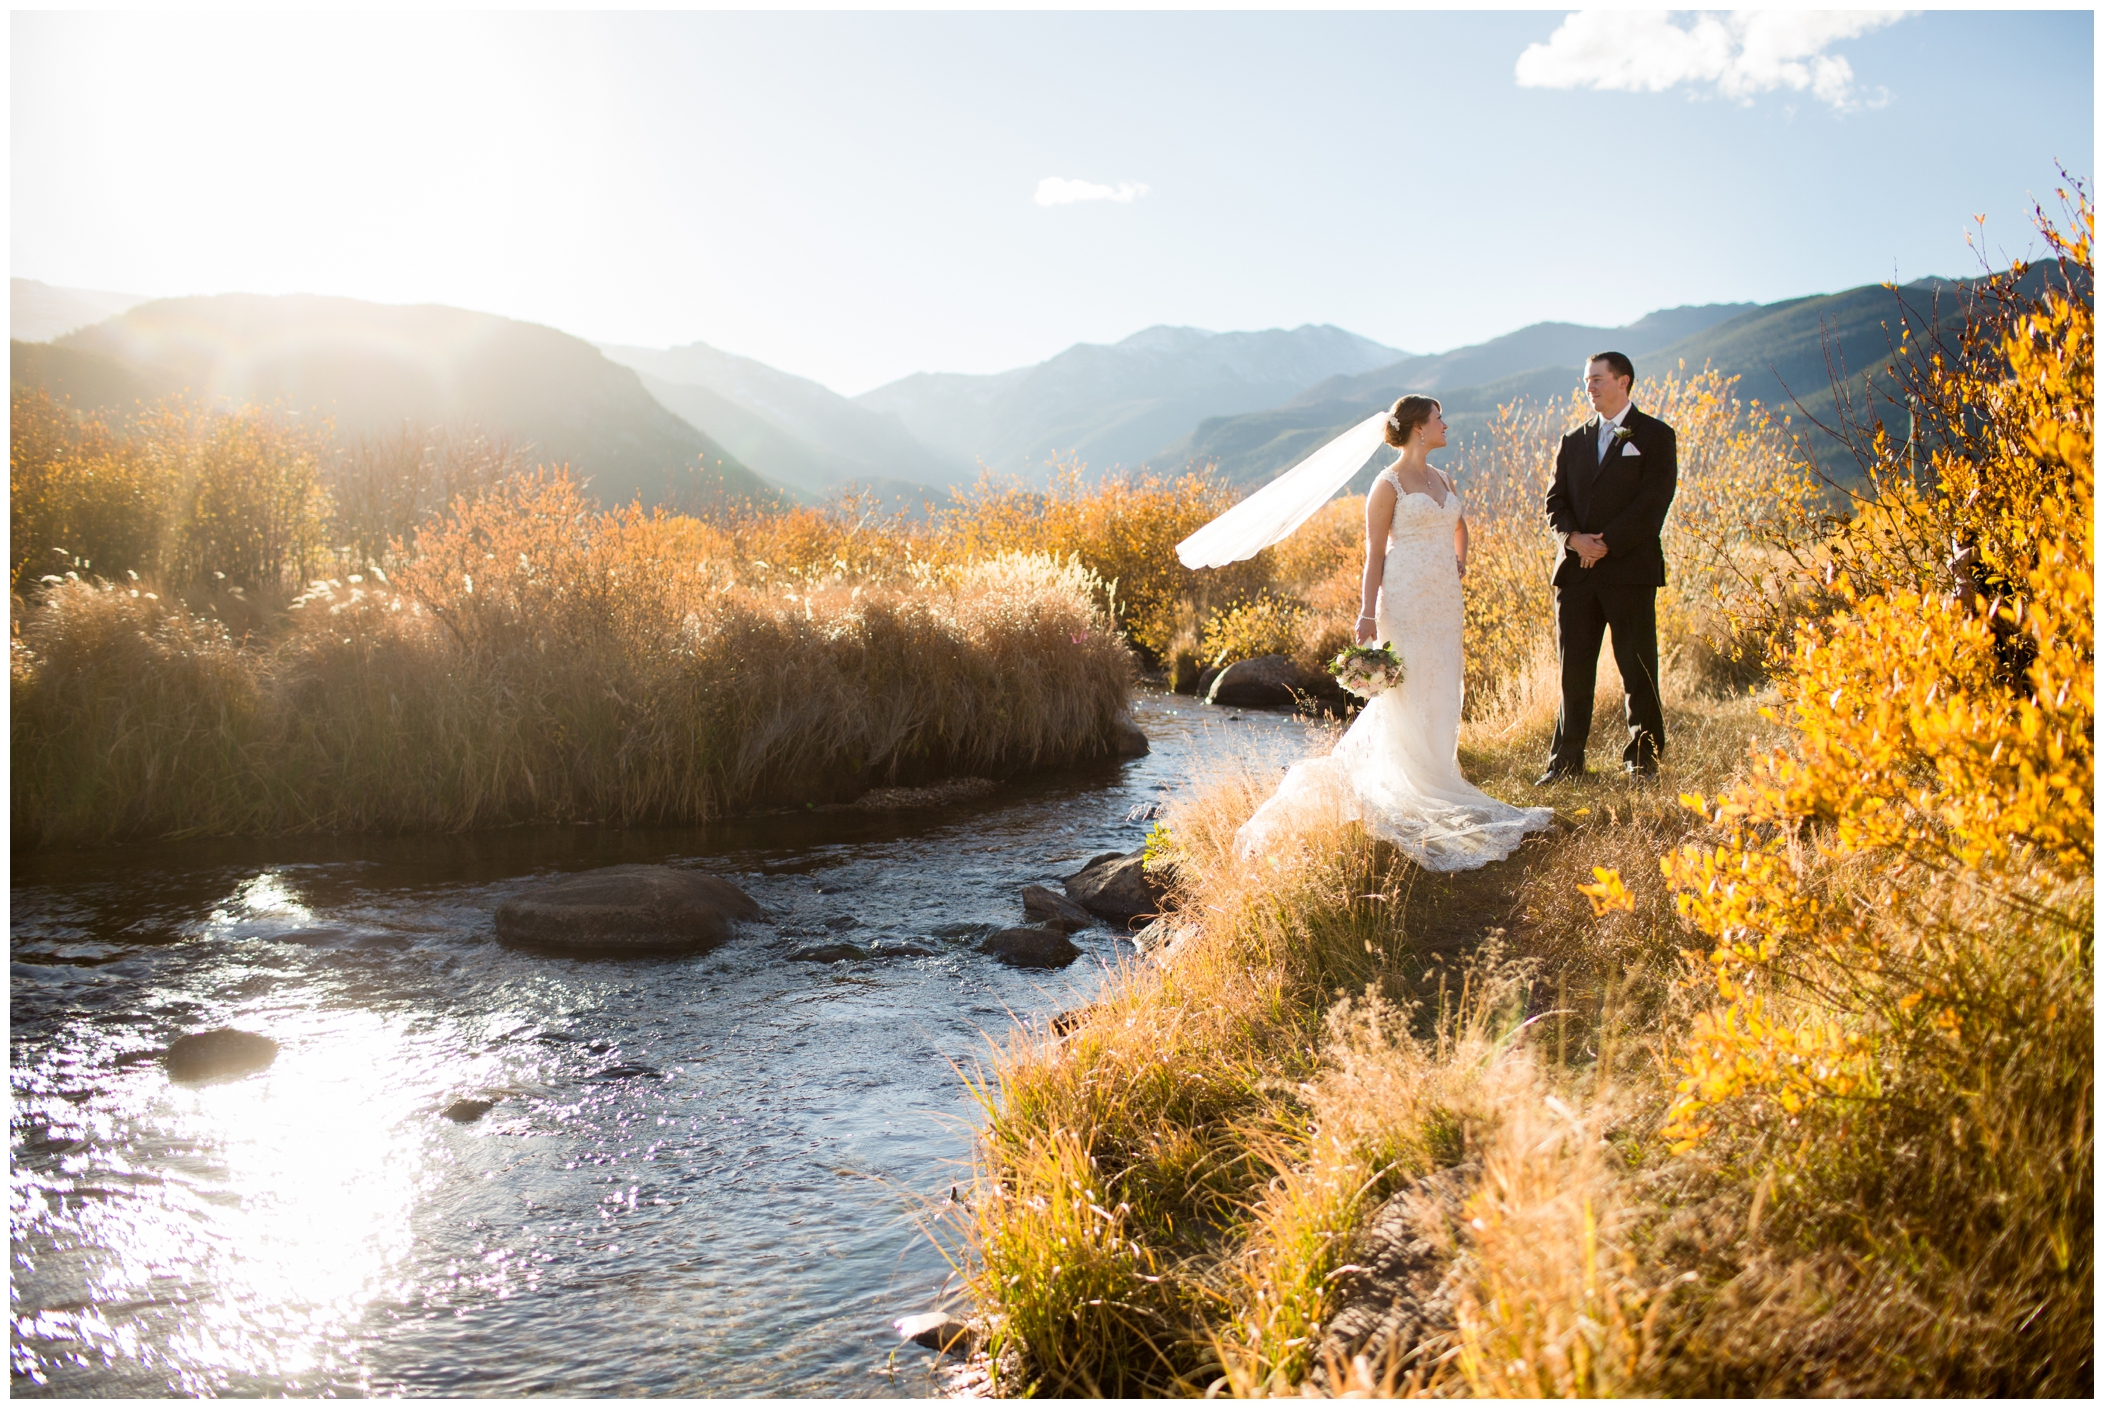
{"x": 623, "y": 910}
{"x": 1262, "y": 680}
{"x": 1115, "y": 886}
{"x": 1271, "y": 680}
{"x": 1127, "y": 739}
{"x": 224, "y": 1051}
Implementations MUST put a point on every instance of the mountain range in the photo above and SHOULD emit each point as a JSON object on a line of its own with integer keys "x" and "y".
{"x": 668, "y": 424}
{"x": 1117, "y": 404}
{"x": 1540, "y": 359}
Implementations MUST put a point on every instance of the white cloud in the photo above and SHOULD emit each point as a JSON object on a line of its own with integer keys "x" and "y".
{"x": 1741, "y": 53}
{"x": 1058, "y": 190}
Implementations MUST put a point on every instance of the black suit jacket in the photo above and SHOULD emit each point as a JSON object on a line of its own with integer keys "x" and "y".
{"x": 1623, "y": 497}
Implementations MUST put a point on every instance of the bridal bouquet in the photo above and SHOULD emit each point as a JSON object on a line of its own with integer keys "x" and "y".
{"x": 1368, "y": 670}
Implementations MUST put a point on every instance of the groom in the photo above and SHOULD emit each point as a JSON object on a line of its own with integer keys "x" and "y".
{"x": 1615, "y": 477}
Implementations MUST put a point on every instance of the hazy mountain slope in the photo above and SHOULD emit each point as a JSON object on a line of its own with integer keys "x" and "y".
{"x": 786, "y": 427}
{"x": 90, "y": 380}
{"x": 38, "y": 312}
{"x": 373, "y": 367}
{"x": 1115, "y": 404}
{"x": 1781, "y": 351}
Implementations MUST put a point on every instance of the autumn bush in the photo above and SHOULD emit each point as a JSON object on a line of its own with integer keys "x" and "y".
{"x": 1124, "y": 528}
{"x": 1898, "y": 906}
{"x": 181, "y": 494}
{"x": 384, "y": 486}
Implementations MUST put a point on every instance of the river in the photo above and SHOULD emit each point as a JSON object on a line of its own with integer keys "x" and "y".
{"x": 702, "y": 1176}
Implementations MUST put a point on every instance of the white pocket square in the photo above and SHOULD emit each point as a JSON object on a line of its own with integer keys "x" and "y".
{"x": 1631, "y": 450}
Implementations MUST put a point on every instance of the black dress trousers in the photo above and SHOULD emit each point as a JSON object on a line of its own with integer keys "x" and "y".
{"x": 1629, "y": 611}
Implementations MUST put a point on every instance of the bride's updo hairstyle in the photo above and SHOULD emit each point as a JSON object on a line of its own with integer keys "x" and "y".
{"x": 1406, "y": 416}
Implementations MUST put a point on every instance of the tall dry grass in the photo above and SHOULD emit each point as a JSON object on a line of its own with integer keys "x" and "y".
{"x": 542, "y": 660}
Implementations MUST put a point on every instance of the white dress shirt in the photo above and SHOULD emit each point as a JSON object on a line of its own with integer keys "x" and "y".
{"x": 1609, "y": 425}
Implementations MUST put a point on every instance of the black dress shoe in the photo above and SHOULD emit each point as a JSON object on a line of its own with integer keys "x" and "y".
{"x": 1641, "y": 770}
{"x": 1557, "y": 775}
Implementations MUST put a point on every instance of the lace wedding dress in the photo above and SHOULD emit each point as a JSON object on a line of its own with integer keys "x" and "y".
{"x": 1396, "y": 769}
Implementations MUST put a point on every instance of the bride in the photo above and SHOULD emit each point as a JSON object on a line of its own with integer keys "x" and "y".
{"x": 1396, "y": 769}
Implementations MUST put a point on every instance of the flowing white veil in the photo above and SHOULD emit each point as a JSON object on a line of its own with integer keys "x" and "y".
{"x": 1286, "y": 503}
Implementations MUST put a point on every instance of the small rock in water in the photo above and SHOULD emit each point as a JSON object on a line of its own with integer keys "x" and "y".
{"x": 829, "y": 953}
{"x": 1115, "y": 887}
{"x": 1050, "y": 908}
{"x": 937, "y": 1330}
{"x": 1127, "y": 739}
{"x": 899, "y": 949}
{"x": 224, "y": 1051}
{"x": 841, "y": 922}
{"x": 465, "y": 1112}
{"x": 622, "y": 910}
{"x": 1031, "y": 948}
{"x": 622, "y": 1073}
{"x": 312, "y": 936}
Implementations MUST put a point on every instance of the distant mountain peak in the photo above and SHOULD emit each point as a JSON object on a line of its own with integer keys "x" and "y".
{"x": 1164, "y": 337}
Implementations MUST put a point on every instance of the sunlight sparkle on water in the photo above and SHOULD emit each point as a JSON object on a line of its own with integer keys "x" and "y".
{"x": 288, "y": 1196}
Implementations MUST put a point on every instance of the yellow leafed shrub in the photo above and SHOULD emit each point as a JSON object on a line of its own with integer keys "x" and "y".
{"x": 1899, "y": 904}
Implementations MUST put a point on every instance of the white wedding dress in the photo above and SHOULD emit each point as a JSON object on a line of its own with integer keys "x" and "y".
{"x": 1397, "y": 769}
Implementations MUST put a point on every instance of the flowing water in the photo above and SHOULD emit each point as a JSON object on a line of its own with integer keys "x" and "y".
{"x": 702, "y": 1176}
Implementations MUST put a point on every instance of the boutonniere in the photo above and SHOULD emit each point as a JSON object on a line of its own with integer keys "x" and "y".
{"x": 1622, "y": 436}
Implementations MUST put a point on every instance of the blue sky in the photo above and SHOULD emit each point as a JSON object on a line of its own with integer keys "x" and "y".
{"x": 855, "y": 197}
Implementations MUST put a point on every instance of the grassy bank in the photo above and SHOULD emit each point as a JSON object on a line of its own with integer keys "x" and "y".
{"x": 1783, "y": 1085}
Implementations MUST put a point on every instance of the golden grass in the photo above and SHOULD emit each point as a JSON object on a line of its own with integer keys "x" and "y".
{"x": 540, "y": 661}
{"x": 1235, "y": 1128}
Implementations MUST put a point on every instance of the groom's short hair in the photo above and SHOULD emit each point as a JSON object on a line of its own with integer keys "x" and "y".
{"x": 1617, "y": 364}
